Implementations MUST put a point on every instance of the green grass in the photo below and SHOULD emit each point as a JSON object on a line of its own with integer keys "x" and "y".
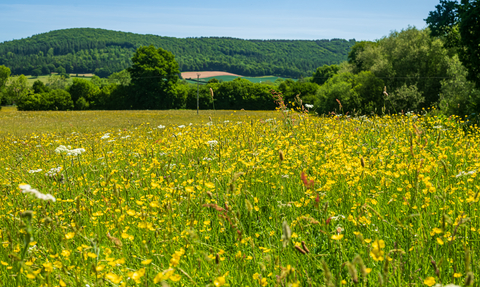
{"x": 237, "y": 198}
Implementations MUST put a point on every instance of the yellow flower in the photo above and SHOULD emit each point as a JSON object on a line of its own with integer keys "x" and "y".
{"x": 113, "y": 277}
{"x": 337, "y": 236}
{"x": 210, "y": 185}
{"x": 48, "y": 266}
{"x": 439, "y": 241}
{"x": 220, "y": 281}
{"x": 263, "y": 282}
{"x": 154, "y": 204}
{"x": 146, "y": 262}
{"x": 429, "y": 281}
{"x": 66, "y": 253}
{"x": 69, "y": 235}
{"x": 91, "y": 255}
{"x": 256, "y": 276}
{"x": 457, "y": 275}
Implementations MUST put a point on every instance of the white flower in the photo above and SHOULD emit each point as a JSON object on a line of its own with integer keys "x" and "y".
{"x": 207, "y": 159}
{"x": 161, "y": 127}
{"x": 338, "y": 217}
{"x": 212, "y": 143}
{"x": 181, "y": 126}
{"x": 53, "y": 171}
{"x": 35, "y": 170}
{"x": 462, "y": 173}
{"x": 105, "y": 136}
{"x": 26, "y": 188}
{"x": 68, "y": 151}
{"x": 308, "y": 106}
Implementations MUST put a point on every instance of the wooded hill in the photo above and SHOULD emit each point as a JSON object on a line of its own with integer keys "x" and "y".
{"x": 87, "y": 50}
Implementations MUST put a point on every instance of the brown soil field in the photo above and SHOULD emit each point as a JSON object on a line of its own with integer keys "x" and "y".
{"x": 193, "y": 75}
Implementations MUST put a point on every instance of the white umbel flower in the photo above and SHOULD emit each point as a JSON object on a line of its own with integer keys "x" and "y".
{"x": 69, "y": 151}
{"x": 26, "y": 188}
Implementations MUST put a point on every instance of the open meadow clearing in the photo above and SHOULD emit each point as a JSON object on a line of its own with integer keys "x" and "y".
{"x": 236, "y": 198}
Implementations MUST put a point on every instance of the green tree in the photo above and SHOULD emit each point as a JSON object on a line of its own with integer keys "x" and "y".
{"x": 459, "y": 96}
{"x": 154, "y": 77}
{"x": 324, "y": 73}
{"x": 83, "y": 93}
{"x": 360, "y": 93}
{"x": 120, "y": 78}
{"x": 459, "y": 24}
{"x": 39, "y": 87}
{"x": 4, "y": 75}
{"x": 410, "y": 57}
{"x": 17, "y": 87}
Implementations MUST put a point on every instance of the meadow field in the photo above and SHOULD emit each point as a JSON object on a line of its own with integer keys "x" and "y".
{"x": 237, "y": 198}
{"x": 44, "y": 79}
{"x": 225, "y": 77}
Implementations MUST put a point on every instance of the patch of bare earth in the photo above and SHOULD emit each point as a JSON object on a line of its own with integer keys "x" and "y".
{"x": 193, "y": 75}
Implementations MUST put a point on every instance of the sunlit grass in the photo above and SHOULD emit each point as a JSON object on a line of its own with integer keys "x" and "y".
{"x": 247, "y": 199}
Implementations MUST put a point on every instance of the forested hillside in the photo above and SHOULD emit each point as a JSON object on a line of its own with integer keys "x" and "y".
{"x": 86, "y": 50}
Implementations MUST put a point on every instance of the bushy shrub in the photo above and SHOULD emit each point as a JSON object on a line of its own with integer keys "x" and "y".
{"x": 348, "y": 92}
{"x": 52, "y": 100}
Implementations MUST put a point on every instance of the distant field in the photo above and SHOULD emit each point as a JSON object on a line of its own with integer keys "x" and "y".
{"x": 224, "y": 76}
{"x": 44, "y": 79}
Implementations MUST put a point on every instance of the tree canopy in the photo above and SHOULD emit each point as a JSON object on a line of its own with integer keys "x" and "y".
{"x": 154, "y": 77}
{"x": 459, "y": 25}
{"x": 87, "y": 50}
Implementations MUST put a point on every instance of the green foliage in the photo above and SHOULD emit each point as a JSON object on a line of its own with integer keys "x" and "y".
{"x": 459, "y": 24}
{"x": 458, "y": 95}
{"x": 84, "y": 93}
{"x": 360, "y": 93}
{"x": 53, "y": 100}
{"x": 16, "y": 88}
{"x": 86, "y": 50}
{"x": 57, "y": 82}
{"x": 405, "y": 98}
{"x": 39, "y": 87}
{"x": 305, "y": 90}
{"x": 4, "y": 75}
{"x": 154, "y": 77}
{"x": 237, "y": 94}
{"x": 406, "y": 58}
{"x": 120, "y": 78}
{"x": 324, "y": 73}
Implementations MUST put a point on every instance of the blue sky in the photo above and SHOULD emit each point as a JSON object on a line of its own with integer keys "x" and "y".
{"x": 247, "y": 19}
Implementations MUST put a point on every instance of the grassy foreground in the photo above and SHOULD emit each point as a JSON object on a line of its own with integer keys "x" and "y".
{"x": 242, "y": 200}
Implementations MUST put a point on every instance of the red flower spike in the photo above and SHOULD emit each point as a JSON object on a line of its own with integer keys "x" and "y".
{"x": 308, "y": 184}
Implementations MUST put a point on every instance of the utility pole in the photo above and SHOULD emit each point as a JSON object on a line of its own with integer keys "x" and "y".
{"x": 198, "y": 101}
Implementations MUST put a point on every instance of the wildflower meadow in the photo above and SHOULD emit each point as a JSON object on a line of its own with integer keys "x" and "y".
{"x": 240, "y": 199}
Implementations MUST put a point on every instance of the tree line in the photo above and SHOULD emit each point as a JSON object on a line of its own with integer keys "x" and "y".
{"x": 407, "y": 70}
{"x": 87, "y": 50}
